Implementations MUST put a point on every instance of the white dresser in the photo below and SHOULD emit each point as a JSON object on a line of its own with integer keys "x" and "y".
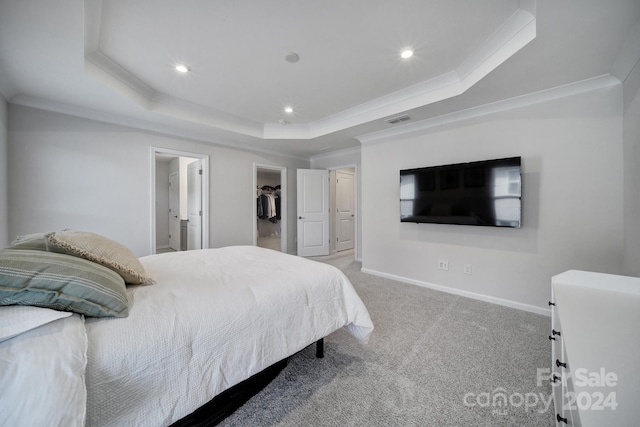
{"x": 595, "y": 353}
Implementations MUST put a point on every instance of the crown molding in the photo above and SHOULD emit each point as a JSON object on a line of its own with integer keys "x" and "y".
{"x": 487, "y": 109}
{"x": 111, "y": 74}
{"x": 287, "y": 131}
{"x": 196, "y": 113}
{"x": 337, "y": 153}
{"x": 515, "y": 33}
{"x": 629, "y": 55}
{"x": 143, "y": 125}
{"x": 92, "y": 25}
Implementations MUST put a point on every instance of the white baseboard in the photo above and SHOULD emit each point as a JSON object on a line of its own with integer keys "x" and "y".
{"x": 494, "y": 300}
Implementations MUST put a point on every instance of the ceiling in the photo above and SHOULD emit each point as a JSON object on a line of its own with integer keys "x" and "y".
{"x": 115, "y": 61}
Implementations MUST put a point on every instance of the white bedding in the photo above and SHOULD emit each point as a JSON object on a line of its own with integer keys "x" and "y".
{"x": 214, "y": 318}
{"x": 42, "y": 371}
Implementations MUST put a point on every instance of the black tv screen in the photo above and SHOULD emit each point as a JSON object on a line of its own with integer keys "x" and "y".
{"x": 476, "y": 193}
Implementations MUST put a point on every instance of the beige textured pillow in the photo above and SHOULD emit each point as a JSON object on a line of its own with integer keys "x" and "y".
{"x": 100, "y": 250}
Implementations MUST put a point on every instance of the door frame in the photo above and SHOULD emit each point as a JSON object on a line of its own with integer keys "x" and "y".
{"x": 176, "y": 193}
{"x": 356, "y": 210}
{"x": 194, "y": 170}
{"x": 283, "y": 203}
{"x": 205, "y": 191}
{"x": 334, "y": 222}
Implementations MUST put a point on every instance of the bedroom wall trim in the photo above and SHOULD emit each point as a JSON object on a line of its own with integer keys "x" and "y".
{"x": 337, "y": 153}
{"x": 467, "y": 294}
{"x": 543, "y": 96}
{"x": 196, "y": 135}
{"x": 205, "y": 192}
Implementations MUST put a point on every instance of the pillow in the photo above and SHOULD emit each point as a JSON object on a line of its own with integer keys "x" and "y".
{"x": 61, "y": 282}
{"x": 16, "y": 319}
{"x": 30, "y": 241}
{"x": 101, "y": 250}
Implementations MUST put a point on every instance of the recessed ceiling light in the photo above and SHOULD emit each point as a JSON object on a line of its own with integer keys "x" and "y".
{"x": 288, "y": 110}
{"x": 183, "y": 68}
{"x": 407, "y": 53}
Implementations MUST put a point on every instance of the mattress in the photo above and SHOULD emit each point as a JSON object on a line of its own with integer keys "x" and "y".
{"x": 214, "y": 318}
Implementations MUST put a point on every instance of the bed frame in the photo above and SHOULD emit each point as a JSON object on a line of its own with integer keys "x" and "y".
{"x": 227, "y": 402}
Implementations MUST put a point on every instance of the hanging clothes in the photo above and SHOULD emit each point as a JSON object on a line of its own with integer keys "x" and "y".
{"x": 278, "y": 216}
{"x": 259, "y": 204}
{"x": 268, "y": 204}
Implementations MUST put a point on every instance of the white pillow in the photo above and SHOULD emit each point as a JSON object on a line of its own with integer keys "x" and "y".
{"x": 16, "y": 319}
{"x": 42, "y": 375}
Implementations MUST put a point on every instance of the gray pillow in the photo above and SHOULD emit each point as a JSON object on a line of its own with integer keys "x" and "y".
{"x": 61, "y": 282}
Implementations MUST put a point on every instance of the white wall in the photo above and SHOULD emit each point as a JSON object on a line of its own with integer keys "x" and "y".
{"x": 69, "y": 172}
{"x": 341, "y": 159}
{"x": 4, "y": 214}
{"x": 632, "y": 173}
{"x": 572, "y": 157}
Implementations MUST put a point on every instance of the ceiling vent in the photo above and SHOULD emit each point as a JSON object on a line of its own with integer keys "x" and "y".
{"x": 398, "y": 119}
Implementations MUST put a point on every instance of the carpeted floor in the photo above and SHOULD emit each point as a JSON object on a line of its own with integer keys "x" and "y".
{"x": 434, "y": 359}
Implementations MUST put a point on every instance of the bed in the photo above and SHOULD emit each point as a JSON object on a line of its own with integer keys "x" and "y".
{"x": 213, "y": 319}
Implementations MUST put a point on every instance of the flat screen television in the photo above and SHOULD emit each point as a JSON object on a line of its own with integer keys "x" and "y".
{"x": 476, "y": 193}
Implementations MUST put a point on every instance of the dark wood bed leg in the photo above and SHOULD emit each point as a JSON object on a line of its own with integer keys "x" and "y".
{"x": 320, "y": 348}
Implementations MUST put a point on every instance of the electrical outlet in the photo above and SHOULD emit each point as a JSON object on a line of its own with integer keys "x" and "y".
{"x": 443, "y": 265}
{"x": 467, "y": 269}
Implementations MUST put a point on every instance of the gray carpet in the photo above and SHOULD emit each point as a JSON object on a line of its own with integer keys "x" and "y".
{"x": 434, "y": 359}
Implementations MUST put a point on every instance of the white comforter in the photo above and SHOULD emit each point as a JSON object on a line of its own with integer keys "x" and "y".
{"x": 214, "y": 318}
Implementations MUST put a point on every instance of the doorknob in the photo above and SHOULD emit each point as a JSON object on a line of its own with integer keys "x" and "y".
{"x": 175, "y": 216}
{"x": 300, "y": 217}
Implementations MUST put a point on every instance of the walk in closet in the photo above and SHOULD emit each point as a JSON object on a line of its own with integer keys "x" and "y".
{"x": 269, "y": 208}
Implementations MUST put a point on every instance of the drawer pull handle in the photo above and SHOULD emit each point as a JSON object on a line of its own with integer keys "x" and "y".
{"x": 551, "y": 338}
{"x": 554, "y": 332}
{"x": 560, "y": 419}
{"x": 559, "y": 363}
{"x": 552, "y": 303}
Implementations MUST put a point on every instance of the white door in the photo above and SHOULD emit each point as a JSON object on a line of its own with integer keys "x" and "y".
{"x": 194, "y": 205}
{"x": 313, "y": 212}
{"x": 345, "y": 211}
{"x": 174, "y": 212}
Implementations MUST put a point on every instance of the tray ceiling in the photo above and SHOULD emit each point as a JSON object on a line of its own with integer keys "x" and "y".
{"x": 114, "y": 61}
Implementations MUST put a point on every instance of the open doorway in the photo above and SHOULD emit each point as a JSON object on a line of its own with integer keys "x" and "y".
{"x": 179, "y": 217}
{"x": 270, "y": 207}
